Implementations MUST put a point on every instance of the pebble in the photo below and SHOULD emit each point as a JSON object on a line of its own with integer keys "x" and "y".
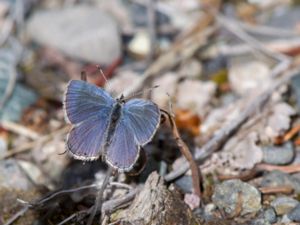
{"x": 294, "y": 215}
{"x": 140, "y": 45}
{"x": 226, "y": 196}
{"x": 279, "y": 155}
{"x": 12, "y": 177}
{"x": 270, "y": 215}
{"x": 3, "y": 146}
{"x": 277, "y": 178}
{"x": 205, "y": 91}
{"x": 20, "y": 99}
{"x": 82, "y": 32}
{"x": 284, "y": 205}
{"x": 245, "y": 77}
{"x": 185, "y": 184}
{"x": 260, "y": 221}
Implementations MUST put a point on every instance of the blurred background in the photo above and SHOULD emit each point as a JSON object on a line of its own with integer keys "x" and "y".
{"x": 213, "y": 61}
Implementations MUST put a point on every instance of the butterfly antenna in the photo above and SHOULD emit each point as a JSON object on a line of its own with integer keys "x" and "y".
{"x": 170, "y": 106}
{"x": 103, "y": 75}
{"x": 142, "y": 92}
{"x": 83, "y": 76}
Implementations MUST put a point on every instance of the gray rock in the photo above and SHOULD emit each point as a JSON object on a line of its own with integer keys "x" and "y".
{"x": 82, "y": 32}
{"x": 278, "y": 178}
{"x": 296, "y": 88}
{"x": 3, "y": 147}
{"x": 260, "y": 221}
{"x": 284, "y": 205}
{"x": 20, "y": 99}
{"x": 270, "y": 215}
{"x": 279, "y": 155}
{"x": 12, "y": 177}
{"x": 227, "y": 195}
{"x": 285, "y": 220}
{"x": 185, "y": 184}
{"x": 294, "y": 215}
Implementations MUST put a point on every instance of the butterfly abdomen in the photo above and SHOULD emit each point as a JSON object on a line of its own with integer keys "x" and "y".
{"x": 114, "y": 119}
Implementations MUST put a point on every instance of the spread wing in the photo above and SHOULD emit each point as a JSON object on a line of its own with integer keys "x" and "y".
{"x": 88, "y": 108}
{"x": 122, "y": 152}
{"x": 143, "y": 118}
{"x": 84, "y": 100}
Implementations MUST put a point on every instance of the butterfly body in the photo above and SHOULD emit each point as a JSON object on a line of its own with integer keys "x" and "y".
{"x": 108, "y": 127}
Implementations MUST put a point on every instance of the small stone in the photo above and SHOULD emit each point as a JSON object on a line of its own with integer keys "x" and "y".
{"x": 285, "y": 220}
{"x": 208, "y": 210}
{"x": 279, "y": 155}
{"x": 20, "y": 99}
{"x": 245, "y": 77}
{"x": 140, "y": 45}
{"x": 277, "y": 178}
{"x": 204, "y": 90}
{"x": 284, "y": 205}
{"x": 294, "y": 215}
{"x": 185, "y": 184}
{"x": 270, "y": 215}
{"x": 82, "y": 32}
{"x": 3, "y": 147}
{"x": 12, "y": 177}
{"x": 260, "y": 221}
{"x": 227, "y": 195}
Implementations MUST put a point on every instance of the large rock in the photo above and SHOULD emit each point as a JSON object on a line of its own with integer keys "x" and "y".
{"x": 82, "y": 32}
{"x": 157, "y": 205}
{"x": 234, "y": 194}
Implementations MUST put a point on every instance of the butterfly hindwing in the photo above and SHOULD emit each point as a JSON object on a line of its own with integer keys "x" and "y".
{"x": 142, "y": 117}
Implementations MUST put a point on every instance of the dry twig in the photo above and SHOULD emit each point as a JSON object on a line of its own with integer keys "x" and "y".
{"x": 196, "y": 174}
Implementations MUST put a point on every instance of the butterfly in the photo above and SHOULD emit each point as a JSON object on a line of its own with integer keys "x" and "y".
{"x": 113, "y": 128}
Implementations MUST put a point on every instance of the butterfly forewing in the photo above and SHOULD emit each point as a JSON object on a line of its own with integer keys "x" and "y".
{"x": 122, "y": 152}
{"x": 142, "y": 117}
{"x": 84, "y": 100}
{"x": 87, "y": 107}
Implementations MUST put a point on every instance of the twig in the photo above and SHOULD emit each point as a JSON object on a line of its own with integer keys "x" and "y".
{"x": 151, "y": 28}
{"x": 27, "y": 146}
{"x": 19, "y": 129}
{"x": 99, "y": 198}
{"x": 121, "y": 185}
{"x": 267, "y": 30}
{"x": 42, "y": 201}
{"x": 223, "y": 135}
{"x": 111, "y": 205}
{"x": 196, "y": 174}
{"x": 286, "y": 169}
{"x": 17, "y": 215}
{"x": 84, "y": 212}
{"x": 274, "y": 190}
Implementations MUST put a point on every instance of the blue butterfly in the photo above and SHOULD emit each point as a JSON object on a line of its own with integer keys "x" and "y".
{"x": 103, "y": 126}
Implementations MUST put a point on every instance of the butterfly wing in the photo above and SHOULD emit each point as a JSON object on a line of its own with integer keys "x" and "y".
{"x": 142, "y": 117}
{"x": 84, "y": 100}
{"x": 85, "y": 140}
{"x": 122, "y": 152}
{"x": 88, "y": 108}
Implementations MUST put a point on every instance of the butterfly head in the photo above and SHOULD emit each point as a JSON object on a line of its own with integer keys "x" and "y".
{"x": 121, "y": 99}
